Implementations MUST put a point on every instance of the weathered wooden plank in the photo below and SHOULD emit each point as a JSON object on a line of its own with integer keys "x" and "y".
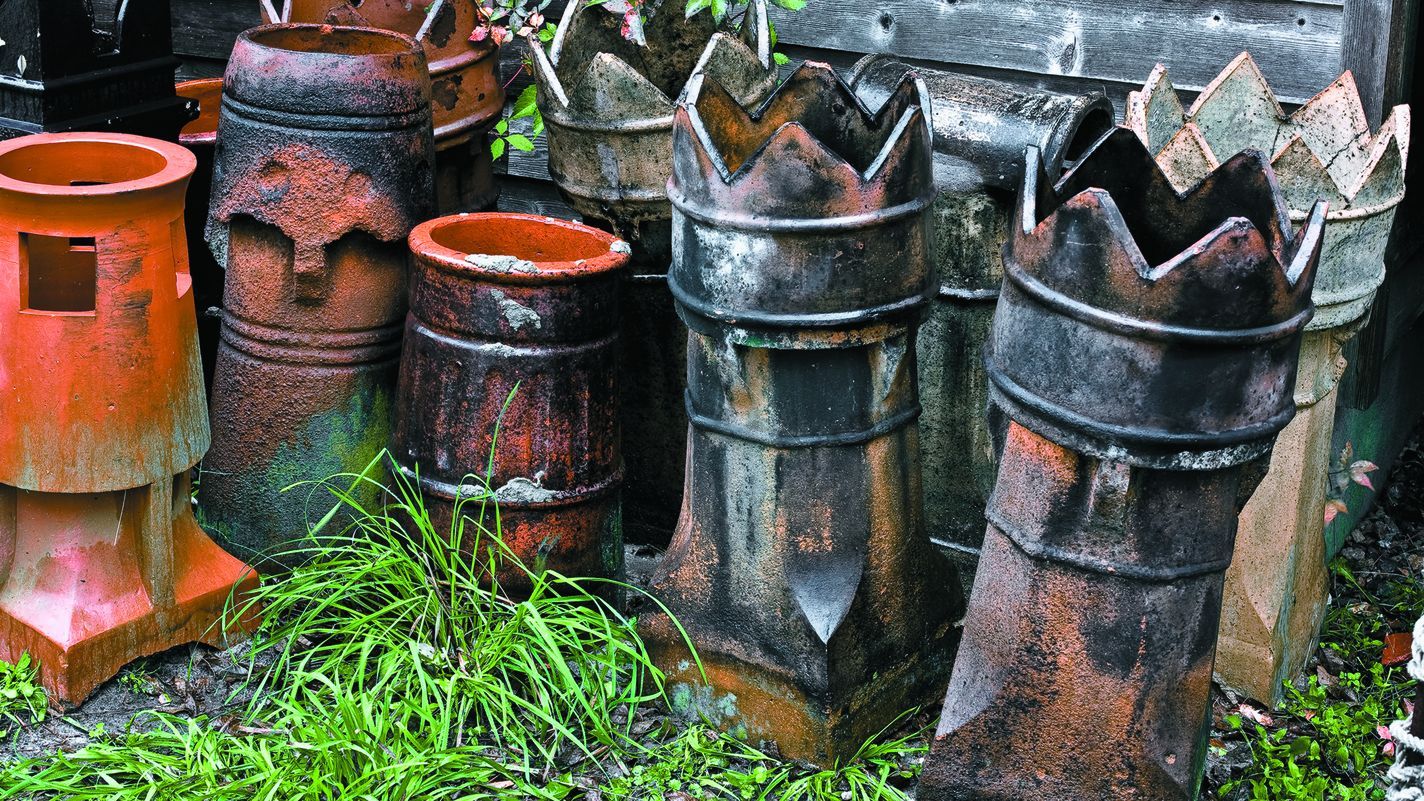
{"x": 530, "y": 196}
{"x": 208, "y": 28}
{"x": 1378, "y": 44}
{"x": 1296, "y": 43}
{"x": 533, "y": 165}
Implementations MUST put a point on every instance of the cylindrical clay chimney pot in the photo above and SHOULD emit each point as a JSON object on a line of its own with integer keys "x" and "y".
{"x": 801, "y": 570}
{"x": 101, "y": 411}
{"x": 466, "y": 93}
{"x": 323, "y": 167}
{"x": 1145, "y": 350}
{"x": 508, "y": 384}
{"x": 981, "y": 129}
{"x": 1277, "y": 592}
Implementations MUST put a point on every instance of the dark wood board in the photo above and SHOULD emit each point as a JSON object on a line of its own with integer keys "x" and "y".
{"x": 1296, "y": 43}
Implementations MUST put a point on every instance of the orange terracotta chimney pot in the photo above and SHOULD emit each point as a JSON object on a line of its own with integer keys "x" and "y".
{"x": 101, "y": 411}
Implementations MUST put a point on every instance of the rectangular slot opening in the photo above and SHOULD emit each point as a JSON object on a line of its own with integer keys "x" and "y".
{"x": 58, "y": 273}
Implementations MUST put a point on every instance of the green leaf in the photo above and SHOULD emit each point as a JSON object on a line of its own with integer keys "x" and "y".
{"x": 790, "y": 5}
{"x": 521, "y": 142}
{"x": 694, "y": 6}
{"x": 781, "y": 59}
{"x": 497, "y": 148}
{"x": 524, "y": 106}
{"x": 502, "y": 127}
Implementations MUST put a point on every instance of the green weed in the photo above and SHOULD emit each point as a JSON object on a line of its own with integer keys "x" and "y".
{"x": 23, "y": 701}
{"x": 1325, "y": 745}
{"x": 393, "y": 667}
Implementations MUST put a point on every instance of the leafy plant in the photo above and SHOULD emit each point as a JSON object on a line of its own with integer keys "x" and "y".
{"x": 394, "y": 665}
{"x": 23, "y": 701}
{"x": 1325, "y": 745}
{"x": 524, "y": 108}
{"x": 701, "y": 763}
{"x": 1348, "y": 472}
{"x": 501, "y": 20}
{"x": 395, "y": 603}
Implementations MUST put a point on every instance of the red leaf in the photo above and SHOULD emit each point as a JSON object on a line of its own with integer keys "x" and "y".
{"x": 1255, "y": 715}
{"x": 1397, "y": 649}
{"x": 1359, "y": 473}
{"x": 1334, "y": 509}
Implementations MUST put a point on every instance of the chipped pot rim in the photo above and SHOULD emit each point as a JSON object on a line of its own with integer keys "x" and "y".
{"x": 397, "y": 44}
{"x": 453, "y": 244}
{"x": 177, "y": 164}
{"x": 202, "y": 130}
{"x": 464, "y": 52}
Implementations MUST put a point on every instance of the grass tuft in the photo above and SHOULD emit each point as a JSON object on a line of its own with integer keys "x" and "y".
{"x": 392, "y": 666}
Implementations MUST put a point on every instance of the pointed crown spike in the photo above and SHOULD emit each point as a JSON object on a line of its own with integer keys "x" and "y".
{"x": 593, "y": 70}
{"x": 1324, "y": 150}
{"x": 1223, "y": 250}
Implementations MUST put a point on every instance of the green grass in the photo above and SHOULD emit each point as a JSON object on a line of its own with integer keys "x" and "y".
{"x": 22, "y": 700}
{"x": 392, "y": 666}
{"x": 1325, "y": 745}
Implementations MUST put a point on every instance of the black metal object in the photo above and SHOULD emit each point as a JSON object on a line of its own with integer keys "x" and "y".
{"x": 62, "y": 68}
{"x": 1145, "y": 350}
{"x": 800, "y": 568}
{"x": 981, "y": 130}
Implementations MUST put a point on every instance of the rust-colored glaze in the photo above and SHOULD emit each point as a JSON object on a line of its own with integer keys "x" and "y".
{"x": 200, "y": 136}
{"x": 1145, "y": 349}
{"x": 467, "y": 95}
{"x": 800, "y": 568}
{"x": 323, "y": 167}
{"x": 520, "y": 310}
{"x": 101, "y": 411}
{"x": 1277, "y": 591}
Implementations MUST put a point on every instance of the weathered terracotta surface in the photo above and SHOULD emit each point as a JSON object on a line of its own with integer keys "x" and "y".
{"x": 467, "y": 95}
{"x": 324, "y": 166}
{"x": 981, "y": 128}
{"x": 200, "y": 136}
{"x": 1277, "y": 592}
{"x": 1145, "y": 349}
{"x": 68, "y": 68}
{"x": 508, "y": 385}
{"x": 608, "y": 106}
{"x": 801, "y": 569}
{"x": 101, "y": 561}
